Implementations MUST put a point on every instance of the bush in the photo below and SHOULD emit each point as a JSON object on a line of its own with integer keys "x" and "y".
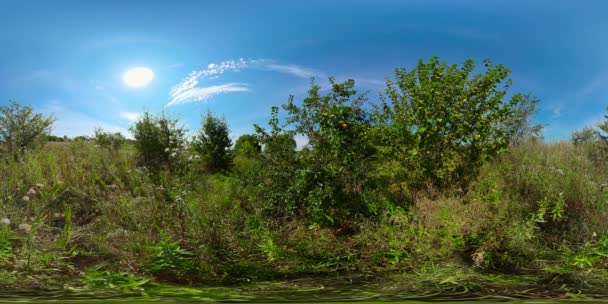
{"x": 21, "y": 129}
{"x": 212, "y": 143}
{"x": 110, "y": 141}
{"x": 159, "y": 141}
{"x": 332, "y": 178}
{"x": 442, "y": 123}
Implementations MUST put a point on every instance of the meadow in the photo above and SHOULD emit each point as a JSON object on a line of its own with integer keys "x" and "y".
{"x": 444, "y": 185}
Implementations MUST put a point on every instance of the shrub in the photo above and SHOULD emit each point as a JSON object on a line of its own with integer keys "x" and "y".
{"x": 213, "y": 143}
{"x": 110, "y": 141}
{"x": 21, "y": 129}
{"x": 332, "y": 178}
{"x": 442, "y": 123}
{"x": 159, "y": 141}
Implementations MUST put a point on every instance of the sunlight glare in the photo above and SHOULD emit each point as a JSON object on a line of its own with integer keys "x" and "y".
{"x": 138, "y": 77}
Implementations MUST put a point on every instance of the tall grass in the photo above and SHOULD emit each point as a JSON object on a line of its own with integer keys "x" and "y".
{"x": 540, "y": 209}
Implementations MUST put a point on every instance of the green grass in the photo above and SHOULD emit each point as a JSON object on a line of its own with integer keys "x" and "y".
{"x": 535, "y": 218}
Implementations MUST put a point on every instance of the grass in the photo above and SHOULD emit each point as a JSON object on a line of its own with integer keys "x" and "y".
{"x": 535, "y": 219}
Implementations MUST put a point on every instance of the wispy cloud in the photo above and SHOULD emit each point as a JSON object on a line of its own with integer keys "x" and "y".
{"x": 188, "y": 90}
{"x": 201, "y": 94}
{"x": 71, "y": 123}
{"x": 557, "y": 111}
{"x": 596, "y": 84}
{"x": 131, "y": 116}
{"x": 294, "y": 70}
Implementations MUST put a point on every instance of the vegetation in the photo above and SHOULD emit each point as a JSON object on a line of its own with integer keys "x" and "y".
{"x": 212, "y": 142}
{"x": 21, "y": 129}
{"x": 443, "y": 183}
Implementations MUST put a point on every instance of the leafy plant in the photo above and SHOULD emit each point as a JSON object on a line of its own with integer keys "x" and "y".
{"x": 97, "y": 278}
{"x": 159, "y": 141}
{"x": 6, "y": 246}
{"x": 170, "y": 259}
{"x": 213, "y": 143}
{"x": 110, "y": 141}
{"x": 21, "y": 129}
{"x": 442, "y": 122}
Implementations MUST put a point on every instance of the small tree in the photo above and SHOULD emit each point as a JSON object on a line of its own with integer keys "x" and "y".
{"x": 110, "y": 141}
{"x": 585, "y": 135}
{"x": 159, "y": 141}
{"x": 443, "y": 122}
{"x": 331, "y": 180}
{"x": 21, "y": 129}
{"x": 247, "y": 145}
{"x": 213, "y": 143}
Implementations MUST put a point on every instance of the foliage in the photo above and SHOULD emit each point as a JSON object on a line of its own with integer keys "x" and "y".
{"x": 110, "y": 141}
{"x": 21, "y": 129}
{"x": 6, "y": 247}
{"x": 212, "y": 142}
{"x": 331, "y": 179}
{"x": 159, "y": 141}
{"x": 442, "y": 122}
{"x": 247, "y": 145}
{"x": 603, "y": 126}
{"x": 97, "y": 278}
{"x": 585, "y": 135}
{"x": 171, "y": 259}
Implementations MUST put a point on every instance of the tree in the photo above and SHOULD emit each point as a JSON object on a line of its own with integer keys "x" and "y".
{"x": 247, "y": 145}
{"x": 603, "y": 134}
{"x": 442, "y": 122}
{"x": 21, "y": 129}
{"x": 523, "y": 127}
{"x": 585, "y": 135}
{"x": 159, "y": 141}
{"x": 213, "y": 143}
{"x": 331, "y": 179}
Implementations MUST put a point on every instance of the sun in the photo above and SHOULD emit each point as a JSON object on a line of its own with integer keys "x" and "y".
{"x": 138, "y": 77}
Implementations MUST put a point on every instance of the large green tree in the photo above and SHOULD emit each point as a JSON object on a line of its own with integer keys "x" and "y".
{"x": 21, "y": 129}
{"x": 441, "y": 122}
{"x": 213, "y": 143}
{"x": 329, "y": 179}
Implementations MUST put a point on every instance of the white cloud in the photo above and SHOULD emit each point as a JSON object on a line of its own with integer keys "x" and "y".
{"x": 131, "y": 116}
{"x": 189, "y": 91}
{"x": 201, "y": 94}
{"x": 293, "y": 69}
{"x": 71, "y": 123}
{"x": 557, "y": 111}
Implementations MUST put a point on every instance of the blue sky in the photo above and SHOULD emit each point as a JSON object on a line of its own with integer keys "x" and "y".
{"x": 239, "y": 58}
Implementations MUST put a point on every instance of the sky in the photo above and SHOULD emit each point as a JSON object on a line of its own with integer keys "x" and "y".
{"x": 240, "y": 58}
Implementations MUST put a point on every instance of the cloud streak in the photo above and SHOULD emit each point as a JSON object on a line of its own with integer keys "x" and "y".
{"x": 131, "y": 116}
{"x": 195, "y": 94}
{"x": 294, "y": 70}
{"x": 188, "y": 90}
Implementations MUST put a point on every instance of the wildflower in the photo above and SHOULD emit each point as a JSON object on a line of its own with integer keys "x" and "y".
{"x": 594, "y": 235}
{"x": 25, "y": 227}
{"x": 25, "y": 198}
{"x": 560, "y": 171}
{"x": 5, "y": 221}
{"x": 31, "y": 193}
